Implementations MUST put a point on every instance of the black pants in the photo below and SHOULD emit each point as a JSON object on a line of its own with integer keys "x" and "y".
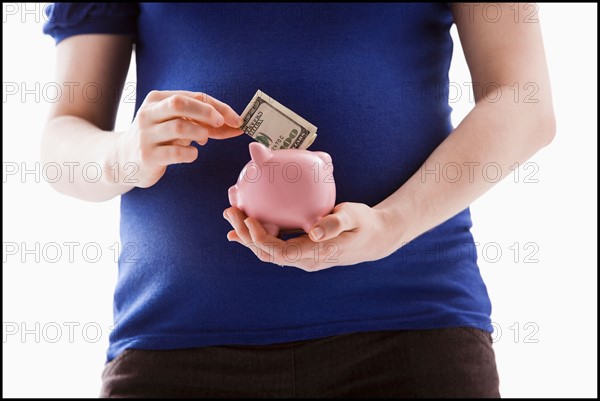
{"x": 453, "y": 362}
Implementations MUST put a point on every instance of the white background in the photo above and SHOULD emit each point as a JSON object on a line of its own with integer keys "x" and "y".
{"x": 545, "y": 312}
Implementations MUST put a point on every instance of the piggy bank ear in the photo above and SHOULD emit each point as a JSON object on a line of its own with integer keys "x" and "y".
{"x": 323, "y": 156}
{"x": 259, "y": 152}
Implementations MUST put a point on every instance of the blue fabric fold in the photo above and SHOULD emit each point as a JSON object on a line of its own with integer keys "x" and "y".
{"x": 68, "y": 19}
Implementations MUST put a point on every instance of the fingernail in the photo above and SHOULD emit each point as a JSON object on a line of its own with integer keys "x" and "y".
{"x": 317, "y": 233}
{"x": 240, "y": 121}
{"x": 247, "y": 223}
{"x": 226, "y": 214}
{"x": 220, "y": 120}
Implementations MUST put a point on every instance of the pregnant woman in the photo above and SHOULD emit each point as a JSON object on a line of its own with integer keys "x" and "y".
{"x": 397, "y": 307}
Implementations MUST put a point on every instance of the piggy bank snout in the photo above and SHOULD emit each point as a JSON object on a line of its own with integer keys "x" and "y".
{"x": 232, "y": 193}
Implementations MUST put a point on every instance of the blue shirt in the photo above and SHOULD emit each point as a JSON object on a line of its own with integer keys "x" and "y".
{"x": 374, "y": 79}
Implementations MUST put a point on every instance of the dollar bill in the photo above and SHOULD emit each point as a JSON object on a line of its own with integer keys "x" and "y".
{"x": 275, "y": 126}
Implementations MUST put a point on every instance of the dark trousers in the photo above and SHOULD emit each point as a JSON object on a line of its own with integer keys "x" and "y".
{"x": 452, "y": 362}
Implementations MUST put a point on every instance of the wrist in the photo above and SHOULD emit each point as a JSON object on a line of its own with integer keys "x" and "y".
{"x": 399, "y": 218}
{"x": 114, "y": 161}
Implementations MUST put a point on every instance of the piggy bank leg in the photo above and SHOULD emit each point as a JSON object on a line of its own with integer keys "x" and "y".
{"x": 271, "y": 229}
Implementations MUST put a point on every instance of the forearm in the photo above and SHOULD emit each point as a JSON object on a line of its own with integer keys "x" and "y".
{"x": 489, "y": 141}
{"x": 83, "y": 151}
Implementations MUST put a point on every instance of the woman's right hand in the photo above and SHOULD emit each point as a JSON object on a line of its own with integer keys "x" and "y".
{"x": 80, "y": 132}
{"x": 164, "y": 128}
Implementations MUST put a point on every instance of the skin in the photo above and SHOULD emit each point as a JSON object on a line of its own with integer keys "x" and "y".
{"x": 499, "y": 129}
{"x": 503, "y": 132}
{"x": 80, "y": 131}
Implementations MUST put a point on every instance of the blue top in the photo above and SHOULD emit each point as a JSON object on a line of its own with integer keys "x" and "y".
{"x": 374, "y": 80}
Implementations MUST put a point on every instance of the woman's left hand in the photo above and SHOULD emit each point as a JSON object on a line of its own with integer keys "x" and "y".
{"x": 352, "y": 233}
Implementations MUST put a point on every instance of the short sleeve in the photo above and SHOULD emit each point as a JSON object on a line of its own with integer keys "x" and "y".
{"x": 68, "y": 19}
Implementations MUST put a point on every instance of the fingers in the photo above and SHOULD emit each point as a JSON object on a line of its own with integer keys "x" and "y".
{"x": 171, "y": 154}
{"x": 180, "y": 129}
{"x": 260, "y": 242}
{"x": 298, "y": 252}
{"x": 184, "y": 116}
{"x": 181, "y": 142}
{"x": 183, "y": 132}
{"x": 342, "y": 219}
{"x": 241, "y": 233}
{"x": 231, "y": 118}
{"x": 224, "y": 132}
{"x": 269, "y": 247}
{"x": 166, "y": 125}
{"x": 181, "y": 106}
{"x": 236, "y": 217}
{"x": 232, "y": 236}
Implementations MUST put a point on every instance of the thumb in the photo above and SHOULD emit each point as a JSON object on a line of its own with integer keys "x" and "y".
{"x": 334, "y": 224}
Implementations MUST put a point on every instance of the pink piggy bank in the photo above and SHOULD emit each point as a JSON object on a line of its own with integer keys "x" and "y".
{"x": 285, "y": 189}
